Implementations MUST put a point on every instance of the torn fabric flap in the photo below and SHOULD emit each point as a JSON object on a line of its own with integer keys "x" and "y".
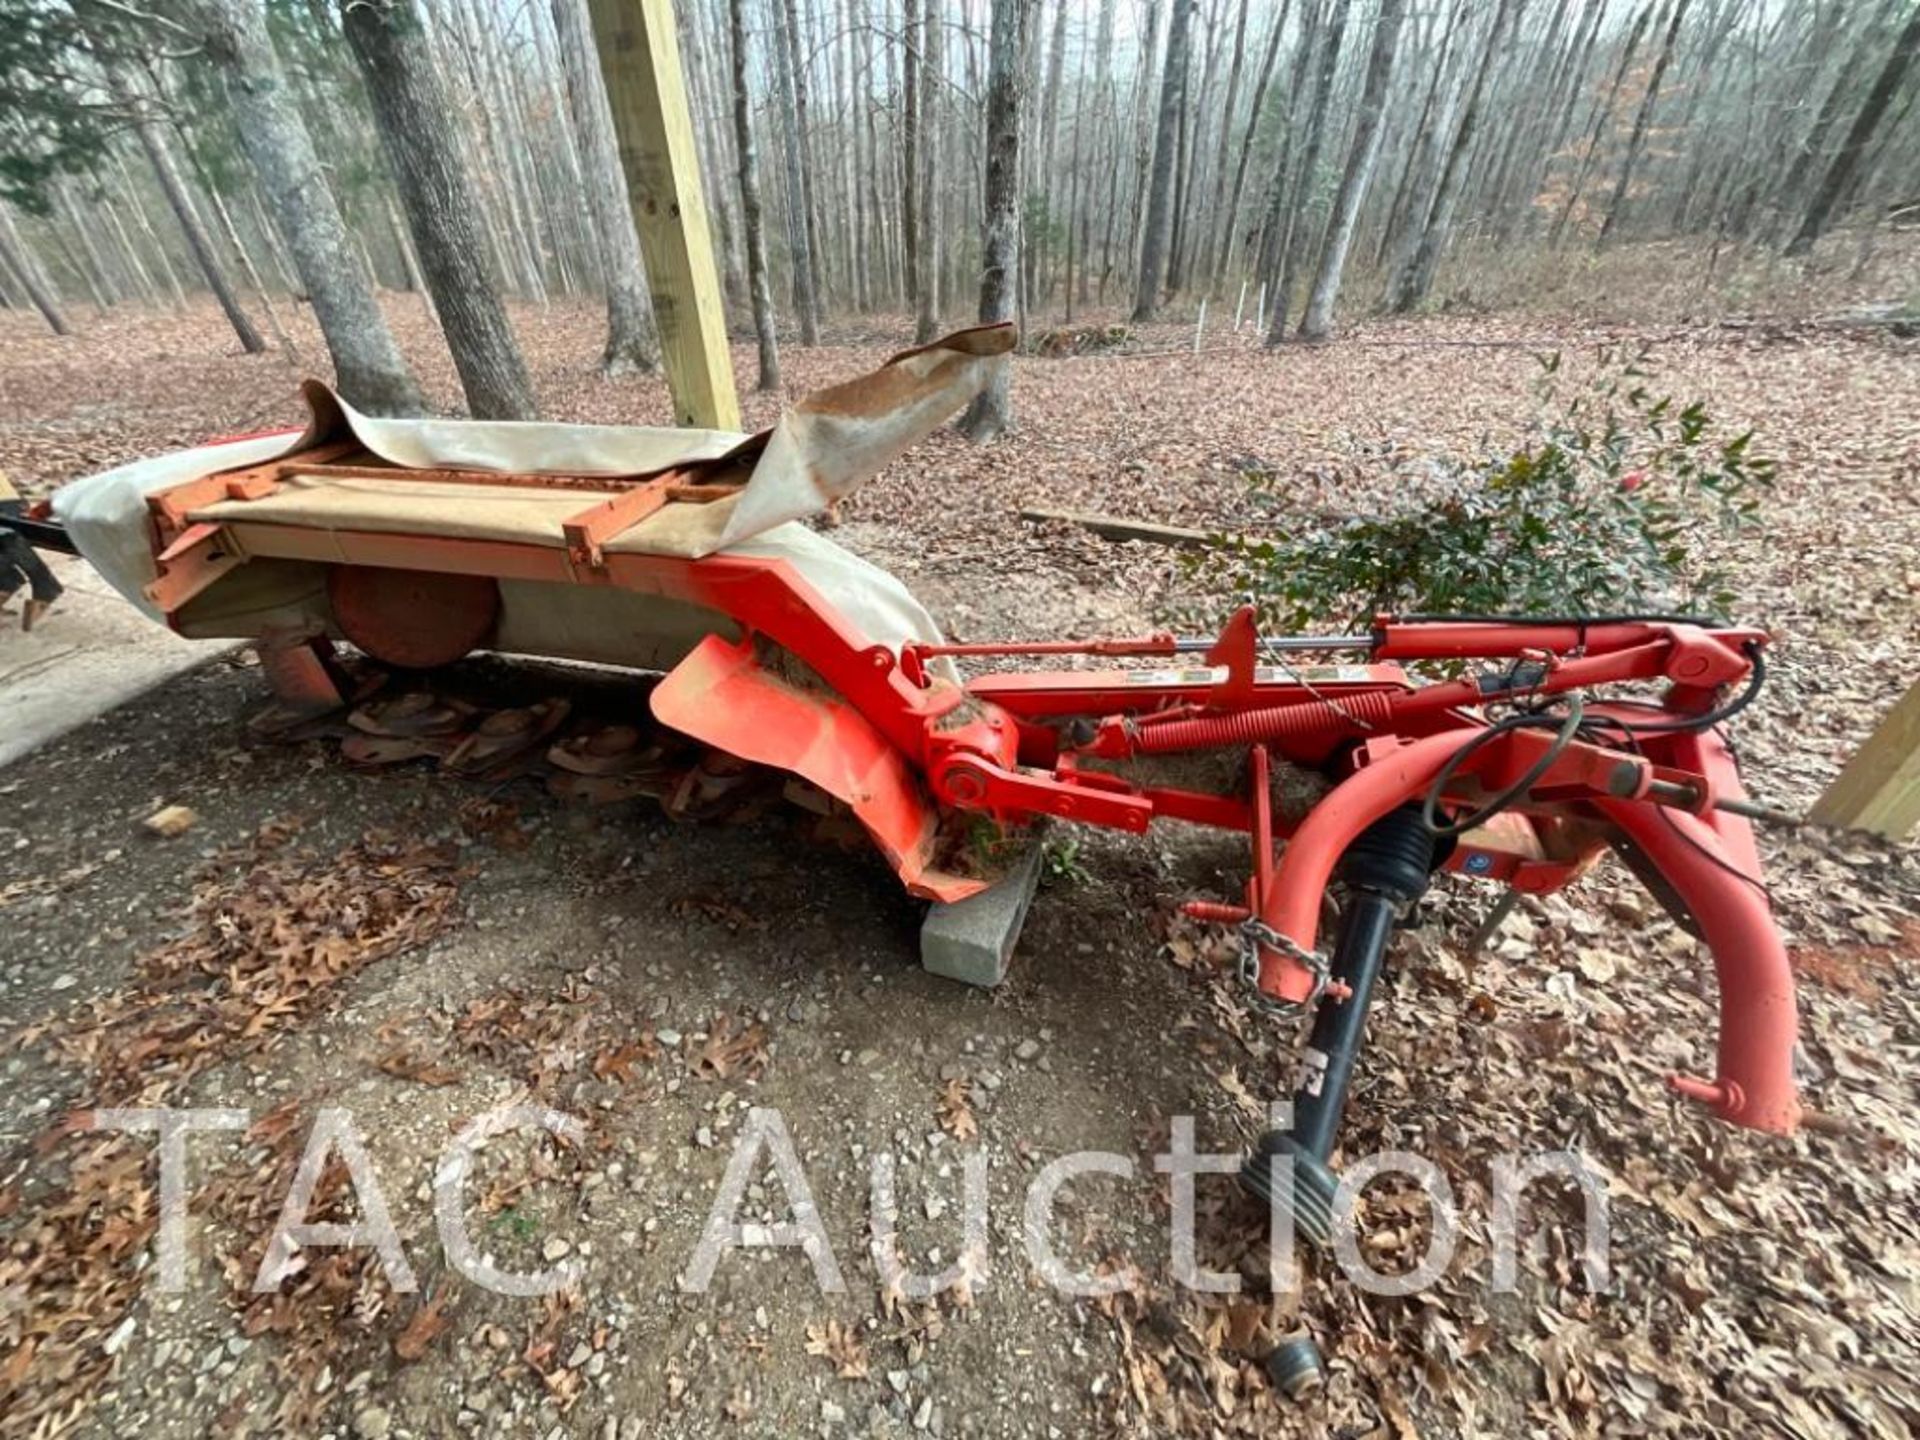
{"x": 826, "y": 446}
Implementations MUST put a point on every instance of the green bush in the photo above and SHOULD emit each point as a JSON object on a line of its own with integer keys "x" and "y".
{"x": 1610, "y": 505}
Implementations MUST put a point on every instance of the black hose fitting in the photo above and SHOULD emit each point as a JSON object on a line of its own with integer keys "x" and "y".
{"x": 1392, "y": 857}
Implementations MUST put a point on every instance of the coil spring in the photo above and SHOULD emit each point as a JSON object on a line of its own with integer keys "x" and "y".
{"x": 1301, "y": 720}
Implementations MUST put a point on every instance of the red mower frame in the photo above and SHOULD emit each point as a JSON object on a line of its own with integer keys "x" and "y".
{"x": 1519, "y": 774}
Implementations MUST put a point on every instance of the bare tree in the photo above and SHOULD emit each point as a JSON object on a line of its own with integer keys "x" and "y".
{"x": 366, "y": 361}
{"x": 1277, "y": 216}
{"x": 137, "y": 107}
{"x": 1813, "y": 144}
{"x": 1361, "y": 158}
{"x": 1642, "y": 118}
{"x": 16, "y": 263}
{"x": 1210, "y": 236}
{"x": 991, "y": 413}
{"x": 388, "y": 39}
{"x": 910, "y": 52}
{"x": 806, "y": 295}
{"x": 1411, "y": 285}
{"x": 932, "y": 80}
{"x": 1846, "y": 162}
{"x": 1280, "y": 300}
{"x": 1166, "y": 143}
{"x": 757, "y": 285}
{"x": 1399, "y": 235}
{"x": 632, "y": 343}
{"x": 1602, "y": 114}
{"x": 1142, "y": 121}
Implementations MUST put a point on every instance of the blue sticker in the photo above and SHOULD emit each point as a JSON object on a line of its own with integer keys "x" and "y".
{"x": 1479, "y": 864}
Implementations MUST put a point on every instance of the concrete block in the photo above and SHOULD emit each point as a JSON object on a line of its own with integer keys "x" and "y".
{"x": 972, "y": 940}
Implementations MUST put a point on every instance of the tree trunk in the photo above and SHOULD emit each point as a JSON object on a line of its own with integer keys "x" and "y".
{"x": 1146, "y": 72}
{"x": 1642, "y": 118}
{"x": 389, "y": 42}
{"x": 1209, "y": 258}
{"x": 932, "y": 83}
{"x": 632, "y": 343}
{"x": 1401, "y": 230}
{"x": 237, "y": 247}
{"x": 409, "y": 261}
{"x": 1410, "y": 287}
{"x": 1230, "y": 221}
{"x": 1813, "y": 145}
{"x": 1159, "y": 226}
{"x": 147, "y": 130}
{"x": 98, "y": 273}
{"x": 1361, "y": 159}
{"x": 1571, "y": 85}
{"x": 16, "y": 262}
{"x": 129, "y": 254}
{"x": 521, "y": 238}
{"x": 991, "y": 413}
{"x": 1274, "y": 219}
{"x": 175, "y": 290}
{"x": 857, "y": 163}
{"x": 806, "y": 299}
{"x": 802, "y": 136}
{"x": 757, "y": 286}
{"x": 1600, "y": 119}
{"x": 277, "y": 250}
{"x": 1841, "y": 172}
{"x": 553, "y": 106}
{"x": 1047, "y": 161}
{"x": 1280, "y": 299}
{"x": 366, "y": 361}
{"x": 1183, "y": 166}
{"x": 910, "y": 149}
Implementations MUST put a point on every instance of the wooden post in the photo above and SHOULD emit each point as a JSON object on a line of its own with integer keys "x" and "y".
{"x": 640, "y": 58}
{"x": 1880, "y": 788}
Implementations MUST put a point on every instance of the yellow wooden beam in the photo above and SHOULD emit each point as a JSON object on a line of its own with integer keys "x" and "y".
{"x": 640, "y": 58}
{"x": 1880, "y": 788}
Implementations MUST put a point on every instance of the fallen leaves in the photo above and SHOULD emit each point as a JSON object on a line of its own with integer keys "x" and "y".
{"x": 430, "y": 1320}
{"x": 840, "y": 1347}
{"x": 955, "y": 1111}
{"x": 543, "y": 1038}
{"x": 719, "y": 910}
{"x": 270, "y": 932}
{"x": 1731, "y": 1237}
{"x": 616, "y": 1062}
{"x": 406, "y": 1064}
{"x": 731, "y": 1047}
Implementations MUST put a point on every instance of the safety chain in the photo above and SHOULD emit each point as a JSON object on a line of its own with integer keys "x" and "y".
{"x": 1255, "y": 932}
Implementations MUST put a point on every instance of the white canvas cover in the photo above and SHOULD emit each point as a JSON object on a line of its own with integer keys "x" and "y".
{"x": 821, "y": 450}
